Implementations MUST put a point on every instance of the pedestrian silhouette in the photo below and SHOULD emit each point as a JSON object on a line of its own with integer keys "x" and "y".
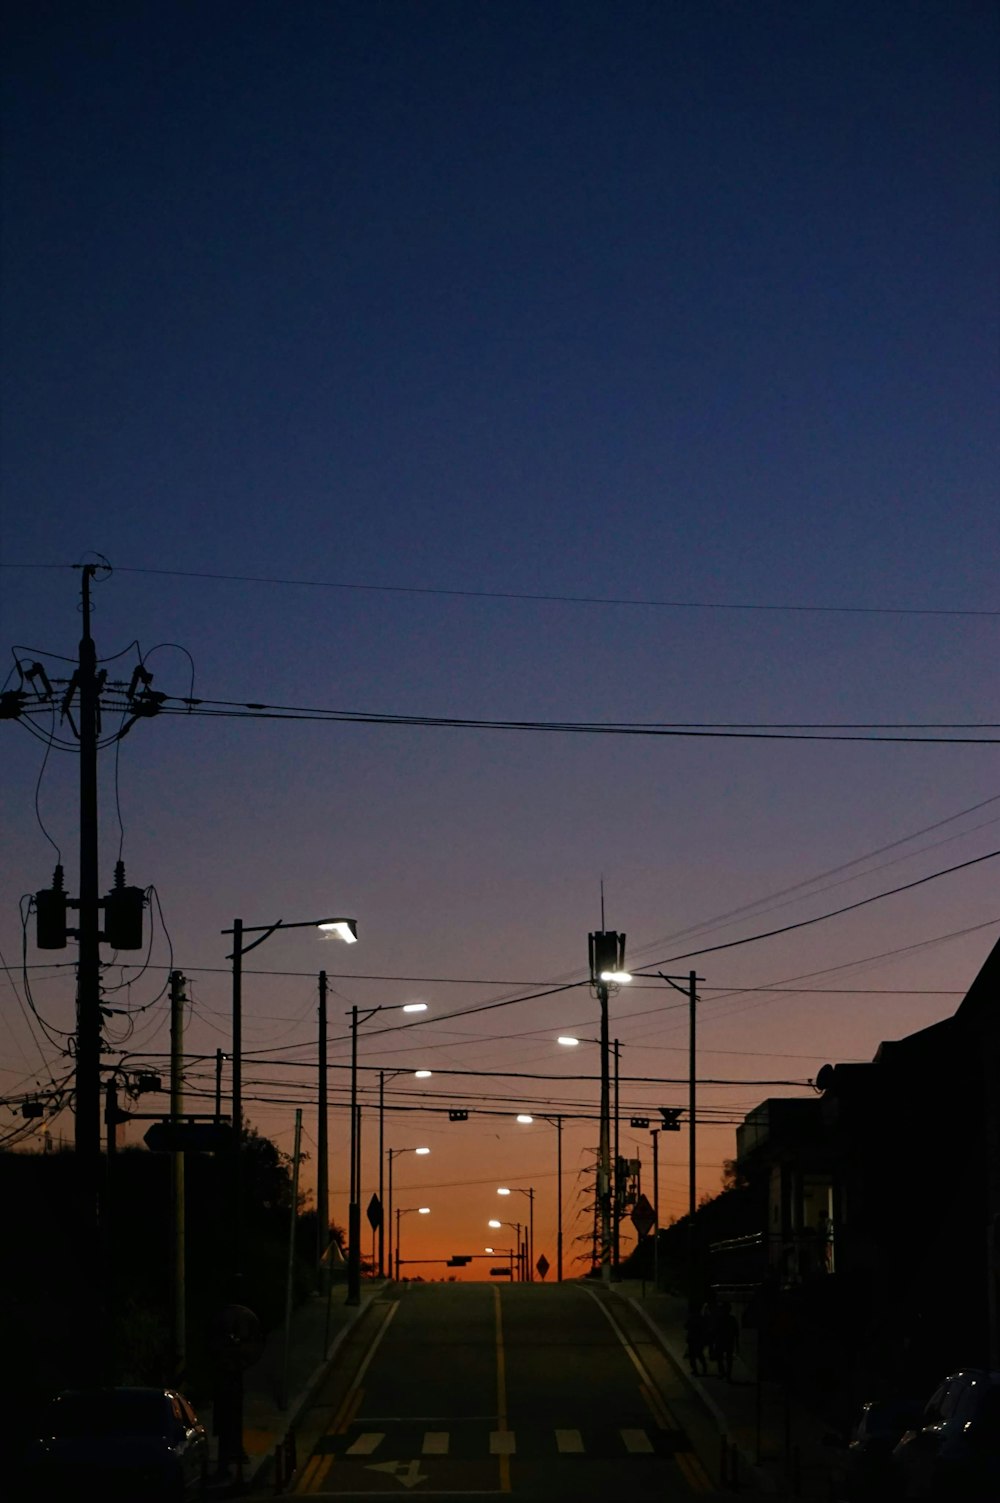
{"x": 726, "y": 1340}
{"x": 695, "y": 1329}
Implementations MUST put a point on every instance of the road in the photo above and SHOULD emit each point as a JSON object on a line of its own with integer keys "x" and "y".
{"x": 556, "y": 1394}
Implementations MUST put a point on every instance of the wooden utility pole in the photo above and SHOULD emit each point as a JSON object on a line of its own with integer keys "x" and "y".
{"x": 322, "y": 1142}
{"x": 177, "y": 1001}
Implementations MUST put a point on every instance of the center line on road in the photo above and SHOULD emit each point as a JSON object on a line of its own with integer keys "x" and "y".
{"x": 504, "y": 1456}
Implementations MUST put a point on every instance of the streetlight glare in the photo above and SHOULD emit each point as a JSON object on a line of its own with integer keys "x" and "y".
{"x": 621, "y": 977}
{"x": 487, "y": 1249}
{"x": 494, "y": 1223}
{"x": 423, "y": 1210}
{"x": 414, "y": 1006}
{"x": 503, "y": 1190}
{"x": 567, "y": 1040}
{"x": 423, "y": 1074}
{"x": 345, "y": 929}
{"x": 421, "y": 1150}
{"x": 524, "y": 1117}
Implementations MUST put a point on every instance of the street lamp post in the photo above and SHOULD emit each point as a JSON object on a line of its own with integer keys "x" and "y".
{"x": 393, "y": 1153}
{"x": 383, "y": 1076}
{"x": 405, "y": 1211}
{"x": 516, "y": 1190}
{"x": 354, "y": 1199}
{"x": 231, "y": 1443}
{"x": 557, "y": 1122}
{"x": 515, "y": 1227}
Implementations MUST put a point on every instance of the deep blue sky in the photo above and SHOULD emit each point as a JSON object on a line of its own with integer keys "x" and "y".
{"x": 691, "y": 303}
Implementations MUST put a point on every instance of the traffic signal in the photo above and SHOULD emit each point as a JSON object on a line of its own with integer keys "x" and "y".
{"x": 458, "y": 1116}
{"x": 638, "y": 1121}
{"x": 671, "y": 1118}
{"x": 459, "y": 1261}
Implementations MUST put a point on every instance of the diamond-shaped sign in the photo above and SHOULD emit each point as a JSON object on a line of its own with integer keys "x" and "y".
{"x": 374, "y": 1213}
{"x": 542, "y": 1266}
{"x": 643, "y": 1216}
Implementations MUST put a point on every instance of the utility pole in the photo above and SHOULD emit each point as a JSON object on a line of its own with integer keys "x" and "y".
{"x": 618, "y": 1195}
{"x": 177, "y": 1001}
{"x": 607, "y": 966}
{"x": 322, "y": 1142}
{"x": 655, "y": 1135}
{"x": 88, "y": 987}
{"x": 692, "y": 1092}
{"x": 354, "y": 1198}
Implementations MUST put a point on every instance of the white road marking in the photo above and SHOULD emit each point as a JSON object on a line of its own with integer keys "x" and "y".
{"x": 435, "y": 1443}
{"x": 636, "y": 1440}
{"x": 502, "y": 1443}
{"x": 568, "y": 1441}
{"x": 366, "y": 1443}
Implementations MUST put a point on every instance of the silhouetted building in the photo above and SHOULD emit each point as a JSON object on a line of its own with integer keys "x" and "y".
{"x": 883, "y": 1194}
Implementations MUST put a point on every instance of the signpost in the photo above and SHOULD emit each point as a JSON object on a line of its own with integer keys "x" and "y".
{"x": 542, "y": 1266}
{"x": 188, "y": 1137}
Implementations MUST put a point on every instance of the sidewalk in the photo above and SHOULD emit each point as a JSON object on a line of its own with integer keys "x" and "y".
{"x": 771, "y": 1444}
{"x": 279, "y": 1386}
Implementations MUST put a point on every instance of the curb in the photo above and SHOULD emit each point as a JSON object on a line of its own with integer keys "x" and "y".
{"x": 284, "y": 1439}
{"x": 764, "y": 1483}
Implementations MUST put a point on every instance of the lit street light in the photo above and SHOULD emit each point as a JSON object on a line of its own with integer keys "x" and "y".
{"x": 383, "y": 1076}
{"x": 406, "y": 1211}
{"x": 516, "y": 1190}
{"x": 354, "y": 1199}
{"x": 231, "y": 1444}
{"x": 515, "y": 1227}
{"x": 393, "y": 1153}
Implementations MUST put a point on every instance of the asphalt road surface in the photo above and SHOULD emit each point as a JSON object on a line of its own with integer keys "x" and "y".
{"x": 555, "y": 1394}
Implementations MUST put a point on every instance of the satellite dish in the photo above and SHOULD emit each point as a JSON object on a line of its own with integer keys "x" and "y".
{"x": 824, "y": 1080}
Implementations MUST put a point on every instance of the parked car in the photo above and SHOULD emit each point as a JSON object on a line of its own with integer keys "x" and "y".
{"x": 121, "y": 1443}
{"x": 952, "y": 1454}
{"x": 865, "y": 1473}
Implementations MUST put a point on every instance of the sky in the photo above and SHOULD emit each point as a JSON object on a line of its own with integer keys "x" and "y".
{"x": 490, "y": 384}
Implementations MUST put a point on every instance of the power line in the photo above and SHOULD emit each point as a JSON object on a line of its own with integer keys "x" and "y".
{"x": 255, "y": 710}
{"x": 835, "y": 913}
{"x": 613, "y": 600}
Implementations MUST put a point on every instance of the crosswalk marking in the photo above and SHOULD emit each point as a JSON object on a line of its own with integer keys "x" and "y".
{"x": 526, "y": 1440}
{"x": 366, "y": 1444}
{"x": 569, "y": 1441}
{"x": 636, "y": 1440}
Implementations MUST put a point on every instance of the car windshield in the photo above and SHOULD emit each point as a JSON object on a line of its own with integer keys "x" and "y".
{"x": 111, "y": 1414}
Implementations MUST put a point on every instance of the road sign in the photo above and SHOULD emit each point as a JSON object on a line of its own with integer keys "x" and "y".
{"x": 188, "y": 1137}
{"x": 374, "y": 1213}
{"x": 542, "y": 1266}
{"x": 671, "y": 1118}
{"x": 643, "y": 1216}
{"x": 498, "y": 1273}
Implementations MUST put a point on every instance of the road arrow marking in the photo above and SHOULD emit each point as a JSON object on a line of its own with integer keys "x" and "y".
{"x": 406, "y": 1472}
